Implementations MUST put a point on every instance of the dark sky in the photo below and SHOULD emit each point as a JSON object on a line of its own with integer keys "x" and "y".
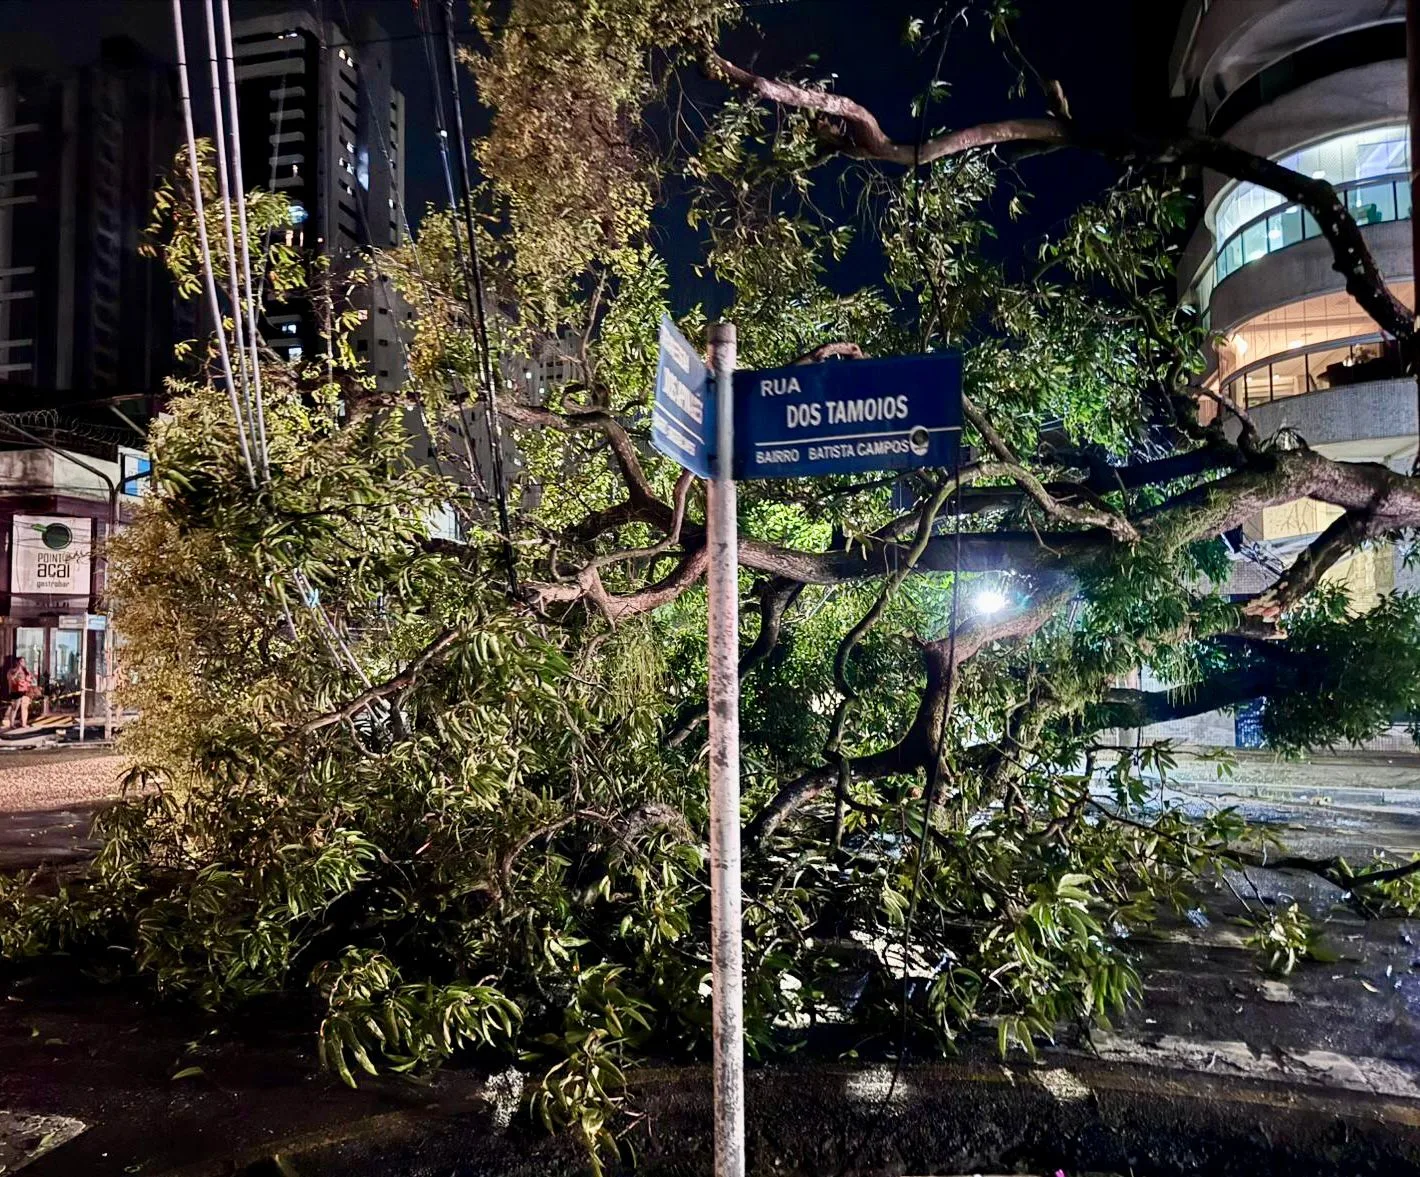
{"x": 1110, "y": 56}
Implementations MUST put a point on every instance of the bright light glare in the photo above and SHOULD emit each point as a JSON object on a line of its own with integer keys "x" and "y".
{"x": 989, "y": 601}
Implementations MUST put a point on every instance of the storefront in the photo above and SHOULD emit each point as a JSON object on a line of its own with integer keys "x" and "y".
{"x": 53, "y": 583}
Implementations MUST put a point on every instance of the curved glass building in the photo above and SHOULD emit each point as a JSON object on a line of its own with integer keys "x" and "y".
{"x": 1319, "y": 86}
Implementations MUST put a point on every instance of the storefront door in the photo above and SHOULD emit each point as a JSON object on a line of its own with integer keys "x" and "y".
{"x": 30, "y": 645}
{"x": 64, "y": 668}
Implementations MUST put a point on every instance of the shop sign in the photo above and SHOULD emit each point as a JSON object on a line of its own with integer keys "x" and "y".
{"x": 50, "y": 555}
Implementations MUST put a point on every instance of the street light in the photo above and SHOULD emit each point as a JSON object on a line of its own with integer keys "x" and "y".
{"x": 989, "y": 601}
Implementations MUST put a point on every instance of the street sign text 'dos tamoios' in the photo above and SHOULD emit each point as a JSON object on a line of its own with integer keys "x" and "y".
{"x": 808, "y": 420}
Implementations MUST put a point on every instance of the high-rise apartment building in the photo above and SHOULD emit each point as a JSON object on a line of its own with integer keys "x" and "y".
{"x": 322, "y": 123}
{"x": 81, "y": 312}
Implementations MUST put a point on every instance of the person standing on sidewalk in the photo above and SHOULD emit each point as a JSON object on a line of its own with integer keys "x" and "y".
{"x": 19, "y": 687}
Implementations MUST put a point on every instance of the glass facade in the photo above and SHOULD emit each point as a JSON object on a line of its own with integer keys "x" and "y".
{"x": 1370, "y": 170}
{"x": 1369, "y": 202}
{"x": 1306, "y": 346}
{"x": 1357, "y": 155}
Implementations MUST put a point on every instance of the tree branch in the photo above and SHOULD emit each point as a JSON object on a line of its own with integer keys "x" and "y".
{"x": 860, "y": 133}
{"x": 851, "y": 128}
{"x": 826, "y": 351}
{"x": 1337, "y": 541}
{"x": 399, "y": 682}
{"x": 669, "y": 540}
{"x": 917, "y": 747}
{"x": 1125, "y": 708}
{"x": 614, "y": 608}
{"x": 592, "y": 419}
{"x": 1114, "y": 523}
{"x": 775, "y": 597}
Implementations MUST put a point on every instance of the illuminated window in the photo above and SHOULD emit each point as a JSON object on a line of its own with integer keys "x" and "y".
{"x": 1306, "y": 346}
{"x": 1357, "y": 155}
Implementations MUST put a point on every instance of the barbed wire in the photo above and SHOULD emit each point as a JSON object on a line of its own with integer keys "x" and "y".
{"x": 55, "y": 423}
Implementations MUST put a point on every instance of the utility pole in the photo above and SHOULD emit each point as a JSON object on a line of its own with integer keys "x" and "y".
{"x": 726, "y": 932}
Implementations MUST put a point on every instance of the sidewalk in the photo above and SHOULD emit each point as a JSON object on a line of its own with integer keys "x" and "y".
{"x": 56, "y": 778}
{"x": 48, "y": 799}
{"x": 1358, "y": 778}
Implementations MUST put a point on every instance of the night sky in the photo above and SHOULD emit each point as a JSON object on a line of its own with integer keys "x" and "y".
{"x": 1110, "y": 56}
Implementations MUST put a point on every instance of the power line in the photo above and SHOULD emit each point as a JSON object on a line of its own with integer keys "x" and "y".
{"x": 494, "y": 424}
{"x": 473, "y": 285}
{"x": 476, "y": 491}
{"x": 472, "y": 33}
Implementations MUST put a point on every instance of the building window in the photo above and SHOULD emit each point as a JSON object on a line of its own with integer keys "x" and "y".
{"x": 1369, "y": 203}
{"x": 1305, "y": 346}
{"x": 1357, "y": 155}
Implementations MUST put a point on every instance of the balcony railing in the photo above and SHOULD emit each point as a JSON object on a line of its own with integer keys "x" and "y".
{"x": 1371, "y": 202}
{"x": 1314, "y": 368}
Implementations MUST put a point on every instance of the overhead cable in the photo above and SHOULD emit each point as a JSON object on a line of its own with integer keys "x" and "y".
{"x": 195, "y": 173}
{"x": 259, "y": 424}
{"x": 476, "y": 492}
{"x": 494, "y": 423}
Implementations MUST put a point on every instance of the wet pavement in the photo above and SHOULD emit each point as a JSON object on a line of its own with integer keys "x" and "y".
{"x": 158, "y": 1095}
{"x": 55, "y": 778}
{"x": 55, "y": 837}
{"x": 48, "y": 800}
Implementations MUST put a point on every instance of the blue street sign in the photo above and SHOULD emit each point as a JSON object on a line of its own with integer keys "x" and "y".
{"x": 683, "y": 415}
{"x": 848, "y": 415}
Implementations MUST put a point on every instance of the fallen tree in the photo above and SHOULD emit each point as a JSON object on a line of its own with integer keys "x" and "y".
{"x": 466, "y": 808}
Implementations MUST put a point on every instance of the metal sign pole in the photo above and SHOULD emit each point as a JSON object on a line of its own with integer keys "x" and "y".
{"x": 726, "y": 932}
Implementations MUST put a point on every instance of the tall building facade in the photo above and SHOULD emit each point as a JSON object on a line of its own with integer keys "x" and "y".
{"x": 322, "y": 123}
{"x": 81, "y": 311}
{"x": 1319, "y": 86}
{"x": 86, "y": 322}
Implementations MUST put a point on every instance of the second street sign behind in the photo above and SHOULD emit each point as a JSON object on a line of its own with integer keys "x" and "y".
{"x": 683, "y": 415}
{"x": 845, "y": 416}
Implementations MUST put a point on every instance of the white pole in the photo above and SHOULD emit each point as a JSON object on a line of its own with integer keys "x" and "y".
{"x": 213, "y": 305}
{"x": 253, "y": 339}
{"x": 224, "y": 190}
{"x": 108, "y": 674}
{"x": 726, "y": 932}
